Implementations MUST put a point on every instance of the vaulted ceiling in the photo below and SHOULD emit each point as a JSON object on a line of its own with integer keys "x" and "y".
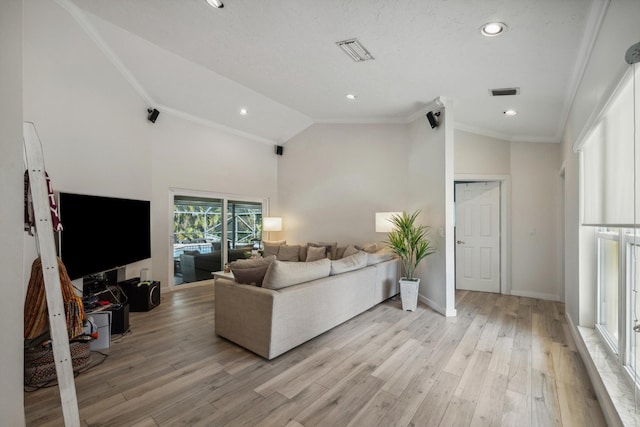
{"x": 280, "y": 61}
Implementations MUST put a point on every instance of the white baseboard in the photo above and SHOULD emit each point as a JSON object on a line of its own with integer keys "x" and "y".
{"x": 536, "y": 295}
{"x": 437, "y": 307}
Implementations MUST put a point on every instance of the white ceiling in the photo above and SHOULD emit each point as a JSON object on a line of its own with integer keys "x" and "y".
{"x": 279, "y": 60}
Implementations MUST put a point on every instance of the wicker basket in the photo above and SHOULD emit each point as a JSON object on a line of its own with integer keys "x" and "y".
{"x": 40, "y": 367}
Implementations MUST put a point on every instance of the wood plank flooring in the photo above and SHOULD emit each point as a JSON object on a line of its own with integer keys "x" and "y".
{"x": 503, "y": 361}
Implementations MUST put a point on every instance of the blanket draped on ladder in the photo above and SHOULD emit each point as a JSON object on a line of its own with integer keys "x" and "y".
{"x": 36, "y": 318}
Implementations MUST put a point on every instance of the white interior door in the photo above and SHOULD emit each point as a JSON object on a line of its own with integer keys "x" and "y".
{"x": 478, "y": 236}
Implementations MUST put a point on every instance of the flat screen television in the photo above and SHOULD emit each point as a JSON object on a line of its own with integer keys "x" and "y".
{"x": 102, "y": 233}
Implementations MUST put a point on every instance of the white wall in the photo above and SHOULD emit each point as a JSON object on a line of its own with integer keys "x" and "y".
{"x": 431, "y": 191}
{"x": 534, "y": 220}
{"x": 332, "y": 179}
{"x": 202, "y": 159}
{"x": 11, "y": 170}
{"x": 92, "y": 124}
{"x": 482, "y": 155}
{"x": 605, "y": 67}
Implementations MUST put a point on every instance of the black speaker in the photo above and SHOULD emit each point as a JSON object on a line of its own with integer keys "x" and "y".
{"x": 432, "y": 120}
{"x": 120, "y": 319}
{"x": 279, "y": 150}
{"x": 153, "y": 115}
{"x": 142, "y": 296}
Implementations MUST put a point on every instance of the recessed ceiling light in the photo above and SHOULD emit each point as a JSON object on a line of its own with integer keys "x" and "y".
{"x": 510, "y": 113}
{"x": 351, "y": 96}
{"x": 243, "y": 111}
{"x": 216, "y": 3}
{"x": 492, "y": 29}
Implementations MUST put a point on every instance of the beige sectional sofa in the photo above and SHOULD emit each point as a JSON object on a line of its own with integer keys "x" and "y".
{"x": 270, "y": 322}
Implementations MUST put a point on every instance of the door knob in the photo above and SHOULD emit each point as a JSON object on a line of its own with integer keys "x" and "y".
{"x": 460, "y": 242}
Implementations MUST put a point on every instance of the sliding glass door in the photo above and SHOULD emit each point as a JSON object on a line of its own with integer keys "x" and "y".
{"x": 210, "y": 232}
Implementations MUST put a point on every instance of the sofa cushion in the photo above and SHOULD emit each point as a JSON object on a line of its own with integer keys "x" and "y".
{"x": 251, "y": 271}
{"x": 382, "y": 255}
{"x": 350, "y": 263}
{"x": 340, "y": 252}
{"x": 288, "y": 253}
{"x": 315, "y": 253}
{"x": 282, "y": 274}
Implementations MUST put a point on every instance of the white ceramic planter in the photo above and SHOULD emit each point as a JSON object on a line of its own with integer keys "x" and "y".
{"x": 409, "y": 293}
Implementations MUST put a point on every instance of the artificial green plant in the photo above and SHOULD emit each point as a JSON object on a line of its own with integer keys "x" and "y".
{"x": 409, "y": 241}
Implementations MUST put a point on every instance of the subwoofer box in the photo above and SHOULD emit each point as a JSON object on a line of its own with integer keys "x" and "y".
{"x": 142, "y": 297}
{"x": 120, "y": 319}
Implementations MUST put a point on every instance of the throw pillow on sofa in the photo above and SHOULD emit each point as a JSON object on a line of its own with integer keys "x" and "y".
{"x": 251, "y": 271}
{"x": 384, "y": 254}
{"x": 272, "y": 247}
{"x": 288, "y": 253}
{"x": 327, "y": 247}
{"x": 368, "y": 247}
{"x": 350, "y": 250}
{"x": 332, "y": 249}
{"x": 281, "y": 274}
{"x": 315, "y": 253}
{"x": 349, "y": 263}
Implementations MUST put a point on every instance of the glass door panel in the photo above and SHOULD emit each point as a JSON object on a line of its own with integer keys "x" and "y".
{"x": 197, "y": 238}
{"x": 244, "y": 228}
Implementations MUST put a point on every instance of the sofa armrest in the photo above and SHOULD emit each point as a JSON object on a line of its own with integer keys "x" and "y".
{"x": 244, "y": 314}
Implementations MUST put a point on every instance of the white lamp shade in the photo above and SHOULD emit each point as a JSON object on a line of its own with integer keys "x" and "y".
{"x": 383, "y": 221}
{"x": 271, "y": 223}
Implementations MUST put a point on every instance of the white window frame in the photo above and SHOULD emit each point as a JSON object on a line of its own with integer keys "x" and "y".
{"x": 616, "y": 348}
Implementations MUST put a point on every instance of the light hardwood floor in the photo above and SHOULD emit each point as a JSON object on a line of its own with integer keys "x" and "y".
{"x": 503, "y": 360}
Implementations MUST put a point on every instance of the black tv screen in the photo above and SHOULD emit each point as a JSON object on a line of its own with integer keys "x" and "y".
{"x": 102, "y": 233}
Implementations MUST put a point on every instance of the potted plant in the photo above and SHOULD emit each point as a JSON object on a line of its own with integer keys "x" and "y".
{"x": 411, "y": 243}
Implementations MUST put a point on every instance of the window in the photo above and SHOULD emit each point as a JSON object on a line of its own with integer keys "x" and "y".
{"x": 610, "y": 183}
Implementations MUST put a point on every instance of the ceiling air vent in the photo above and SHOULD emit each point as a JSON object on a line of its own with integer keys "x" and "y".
{"x": 355, "y": 50}
{"x": 508, "y": 91}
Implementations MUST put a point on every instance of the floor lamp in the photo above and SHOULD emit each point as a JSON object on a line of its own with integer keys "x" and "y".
{"x": 271, "y": 223}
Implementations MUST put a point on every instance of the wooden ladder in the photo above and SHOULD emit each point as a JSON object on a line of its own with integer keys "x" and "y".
{"x": 51, "y": 275}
